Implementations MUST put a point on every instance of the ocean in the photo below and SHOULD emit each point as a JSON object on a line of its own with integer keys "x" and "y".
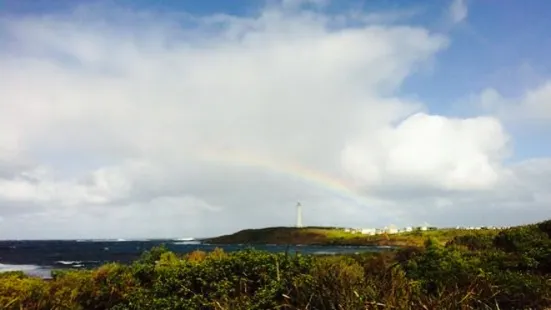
{"x": 39, "y": 258}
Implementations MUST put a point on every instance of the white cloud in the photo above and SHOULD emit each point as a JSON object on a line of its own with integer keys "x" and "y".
{"x": 458, "y": 11}
{"x": 105, "y": 123}
{"x": 536, "y": 104}
{"x": 533, "y": 105}
{"x": 428, "y": 150}
{"x": 490, "y": 99}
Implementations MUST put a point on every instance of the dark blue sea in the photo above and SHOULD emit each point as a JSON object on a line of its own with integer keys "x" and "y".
{"x": 39, "y": 258}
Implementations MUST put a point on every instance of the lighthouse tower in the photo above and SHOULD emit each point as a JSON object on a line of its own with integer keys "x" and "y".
{"x": 299, "y": 215}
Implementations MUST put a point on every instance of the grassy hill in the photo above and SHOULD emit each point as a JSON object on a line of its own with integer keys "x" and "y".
{"x": 334, "y": 236}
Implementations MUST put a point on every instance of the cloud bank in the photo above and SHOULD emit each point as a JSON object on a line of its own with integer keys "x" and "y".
{"x": 118, "y": 123}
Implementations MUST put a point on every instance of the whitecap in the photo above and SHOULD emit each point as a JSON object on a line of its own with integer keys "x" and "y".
{"x": 184, "y": 239}
{"x": 187, "y": 243}
{"x": 69, "y": 262}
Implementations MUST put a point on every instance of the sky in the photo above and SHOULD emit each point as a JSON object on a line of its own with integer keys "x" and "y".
{"x": 161, "y": 119}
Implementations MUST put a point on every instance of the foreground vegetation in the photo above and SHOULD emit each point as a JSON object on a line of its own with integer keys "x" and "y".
{"x": 334, "y": 236}
{"x": 509, "y": 270}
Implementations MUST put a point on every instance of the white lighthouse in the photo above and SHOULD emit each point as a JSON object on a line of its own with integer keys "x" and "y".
{"x": 299, "y": 215}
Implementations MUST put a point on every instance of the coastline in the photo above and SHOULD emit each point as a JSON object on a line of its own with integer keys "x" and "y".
{"x": 320, "y": 236}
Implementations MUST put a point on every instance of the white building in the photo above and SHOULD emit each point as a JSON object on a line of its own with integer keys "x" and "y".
{"x": 391, "y": 230}
{"x": 368, "y": 231}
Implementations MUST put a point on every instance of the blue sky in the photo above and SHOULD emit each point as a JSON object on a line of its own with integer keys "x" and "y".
{"x": 491, "y": 48}
{"x": 284, "y": 90}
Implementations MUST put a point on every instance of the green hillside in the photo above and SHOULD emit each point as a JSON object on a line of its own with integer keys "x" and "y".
{"x": 334, "y": 236}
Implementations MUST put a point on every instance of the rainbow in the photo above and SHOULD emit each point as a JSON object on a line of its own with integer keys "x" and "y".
{"x": 338, "y": 187}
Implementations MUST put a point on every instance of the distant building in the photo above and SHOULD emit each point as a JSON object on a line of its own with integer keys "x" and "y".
{"x": 368, "y": 231}
{"x": 391, "y": 229}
